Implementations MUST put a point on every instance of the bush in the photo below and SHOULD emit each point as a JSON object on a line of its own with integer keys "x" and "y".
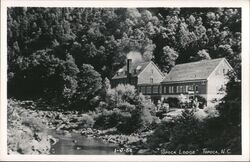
{"x": 112, "y": 118}
{"x": 86, "y": 121}
{"x": 185, "y": 132}
{"x": 126, "y": 118}
{"x": 202, "y": 101}
{"x": 126, "y": 110}
{"x": 122, "y": 93}
{"x": 161, "y": 135}
{"x": 173, "y": 102}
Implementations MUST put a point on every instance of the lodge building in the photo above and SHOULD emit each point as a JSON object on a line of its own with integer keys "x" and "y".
{"x": 206, "y": 78}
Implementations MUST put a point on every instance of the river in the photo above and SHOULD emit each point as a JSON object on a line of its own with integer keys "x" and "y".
{"x": 76, "y": 144}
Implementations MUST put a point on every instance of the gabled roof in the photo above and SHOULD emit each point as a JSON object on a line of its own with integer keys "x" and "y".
{"x": 192, "y": 71}
{"x": 133, "y": 67}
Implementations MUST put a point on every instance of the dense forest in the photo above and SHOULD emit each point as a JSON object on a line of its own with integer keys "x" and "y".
{"x": 65, "y": 53}
{"x": 67, "y": 56}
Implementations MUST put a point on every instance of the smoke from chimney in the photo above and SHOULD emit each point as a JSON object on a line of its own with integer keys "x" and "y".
{"x": 135, "y": 56}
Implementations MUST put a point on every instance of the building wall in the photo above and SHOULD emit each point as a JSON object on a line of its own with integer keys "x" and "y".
{"x": 217, "y": 81}
{"x": 149, "y": 74}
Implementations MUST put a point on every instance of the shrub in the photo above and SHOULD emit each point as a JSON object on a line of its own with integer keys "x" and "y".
{"x": 122, "y": 93}
{"x": 86, "y": 121}
{"x": 185, "y": 132}
{"x": 202, "y": 101}
{"x": 173, "y": 102}
{"x": 188, "y": 132}
{"x": 112, "y": 118}
{"x": 34, "y": 124}
{"x": 126, "y": 110}
{"x": 127, "y": 118}
{"x": 161, "y": 135}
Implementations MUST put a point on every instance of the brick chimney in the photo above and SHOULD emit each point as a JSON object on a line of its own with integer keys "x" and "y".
{"x": 129, "y": 63}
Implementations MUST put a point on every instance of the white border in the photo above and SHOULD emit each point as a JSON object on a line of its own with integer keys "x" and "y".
{"x": 244, "y": 4}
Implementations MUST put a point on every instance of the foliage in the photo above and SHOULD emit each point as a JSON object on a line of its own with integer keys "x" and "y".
{"x": 42, "y": 42}
{"x": 173, "y": 101}
{"x": 188, "y": 132}
{"x": 120, "y": 94}
{"x": 127, "y": 110}
{"x": 202, "y": 101}
{"x": 168, "y": 59}
{"x": 86, "y": 121}
{"x": 184, "y": 133}
{"x": 89, "y": 84}
{"x": 161, "y": 135}
{"x": 229, "y": 119}
{"x": 202, "y": 55}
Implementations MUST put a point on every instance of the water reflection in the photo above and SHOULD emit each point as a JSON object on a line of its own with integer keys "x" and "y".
{"x": 76, "y": 144}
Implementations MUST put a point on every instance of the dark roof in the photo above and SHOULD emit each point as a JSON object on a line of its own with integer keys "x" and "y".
{"x": 133, "y": 67}
{"x": 192, "y": 71}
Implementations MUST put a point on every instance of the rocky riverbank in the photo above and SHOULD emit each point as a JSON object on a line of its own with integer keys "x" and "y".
{"x": 26, "y": 131}
{"x": 135, "y": 143}
{"x": 27, "y": 125}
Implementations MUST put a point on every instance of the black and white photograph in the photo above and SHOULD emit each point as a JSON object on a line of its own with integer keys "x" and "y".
{"x": 162, "y": 81}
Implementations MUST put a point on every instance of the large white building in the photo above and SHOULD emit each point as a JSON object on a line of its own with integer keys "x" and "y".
{"x": 205, "y": 78}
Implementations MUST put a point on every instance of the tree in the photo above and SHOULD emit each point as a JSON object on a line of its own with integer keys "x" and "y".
{"x": 89, "y": 84}
{"x": 168, "y": 59}
{"x": 202, "y": 55}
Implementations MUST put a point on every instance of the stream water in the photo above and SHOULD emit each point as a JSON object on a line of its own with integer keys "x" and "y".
{"x": 76, "y": 144}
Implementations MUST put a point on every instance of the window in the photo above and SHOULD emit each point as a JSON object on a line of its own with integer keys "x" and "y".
{"x": 149, "y": 91}
{"x": 152, "y": 71}
{"x": 224, "y": 71}
{"x": 160, "y": 89}
{"x": 196, "y": 88}
{"x": 183, "y": 89}
{"x": 155, "y": 89}
{"x": 178, "y": 89}
{"x": 151, "y": 80}
{"x": 186, "y": 88}
{"x": 143, "y": 90}
{"x": 165, "y": 89}
{"x": 190, "y": 88}
{"x": 171, "y": 89}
